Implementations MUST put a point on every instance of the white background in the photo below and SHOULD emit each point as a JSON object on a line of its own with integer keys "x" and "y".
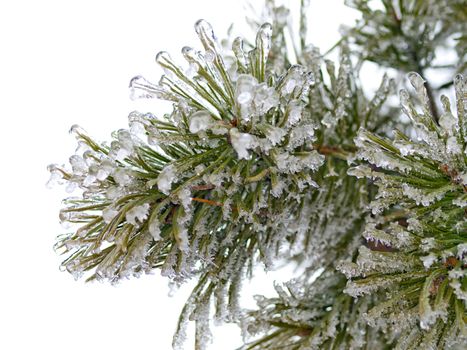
{"x": 65, "y": 62}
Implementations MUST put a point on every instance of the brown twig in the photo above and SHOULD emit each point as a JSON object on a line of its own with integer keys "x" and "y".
{"x": 207, "y": 201}
{"x": 325, "y": 150}
{"x": 203, "y": 187}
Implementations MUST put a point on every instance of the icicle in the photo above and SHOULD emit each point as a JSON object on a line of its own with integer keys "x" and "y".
{"x": 193, "y": 57}
{"x": 166, "y": 62}
{"x": 244, "y": 94}
{"x": 237, "y": 48}
{"x": 142, "y": 88}
{"x": 245, "y": 88}
{"x": 206, "y": 35}
{"x": 105, "y": 169}
{"x": 448, "y": 122}
{"x": 419, "y": 84}
{"x": 77, "y": 131}
{"x": 263, "y": 45}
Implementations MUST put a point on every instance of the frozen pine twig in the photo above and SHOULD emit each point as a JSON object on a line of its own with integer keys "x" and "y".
{"x": 272, "y": 152}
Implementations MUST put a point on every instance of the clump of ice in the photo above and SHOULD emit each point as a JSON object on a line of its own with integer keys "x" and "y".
{"x": 242, "y": 142}
{"x": 166, "y": 178}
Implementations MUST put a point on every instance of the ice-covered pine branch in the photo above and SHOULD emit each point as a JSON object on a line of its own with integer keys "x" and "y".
{"x": 310, "y": 314}
{"x": 228, "y": 173}
{"x": 420, "y": 222}
{"x": 408, "y": 280}
{"x": 272, "y": 152}
{"x": 405, "y": 35}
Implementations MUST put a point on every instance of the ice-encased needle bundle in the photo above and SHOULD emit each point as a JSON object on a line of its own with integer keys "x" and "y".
{"x": 274, "y": 154}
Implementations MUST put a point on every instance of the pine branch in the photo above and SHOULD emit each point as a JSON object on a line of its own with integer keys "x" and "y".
{"x": 277, "y": 154}
{"x": 423, "y": 274}
{"x": 314, "y": 315}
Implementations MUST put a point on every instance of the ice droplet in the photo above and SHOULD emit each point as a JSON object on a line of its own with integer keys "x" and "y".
{"x": 263, "y": 45}
{"x": 142, "y": 88}
{"x": 419, "y": 85}
{"x": 165, "y": 61}
{"x": 404, "y": 97}
{"x": 209, "y": 56}
{"x": 459, "y": 86}
{"x": 105, "y": 169}
{"x": 206, "y": 35}
{"x": 200, "y": 121}
{"x": 237, "y": 48}
{"x": 446, "y": 103}
{"x": 193, "y": 57}
{"x": 296, "y": 81}
{"x": 263, "y": 37}
{"x": 244, "y": 91}
{"x": 165, "y": 179}
{"x": 77, "y": 130}
{"x": 241, "y": 142}
{"x": 416, "y": 80}
{"x": 89, "y": 180}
